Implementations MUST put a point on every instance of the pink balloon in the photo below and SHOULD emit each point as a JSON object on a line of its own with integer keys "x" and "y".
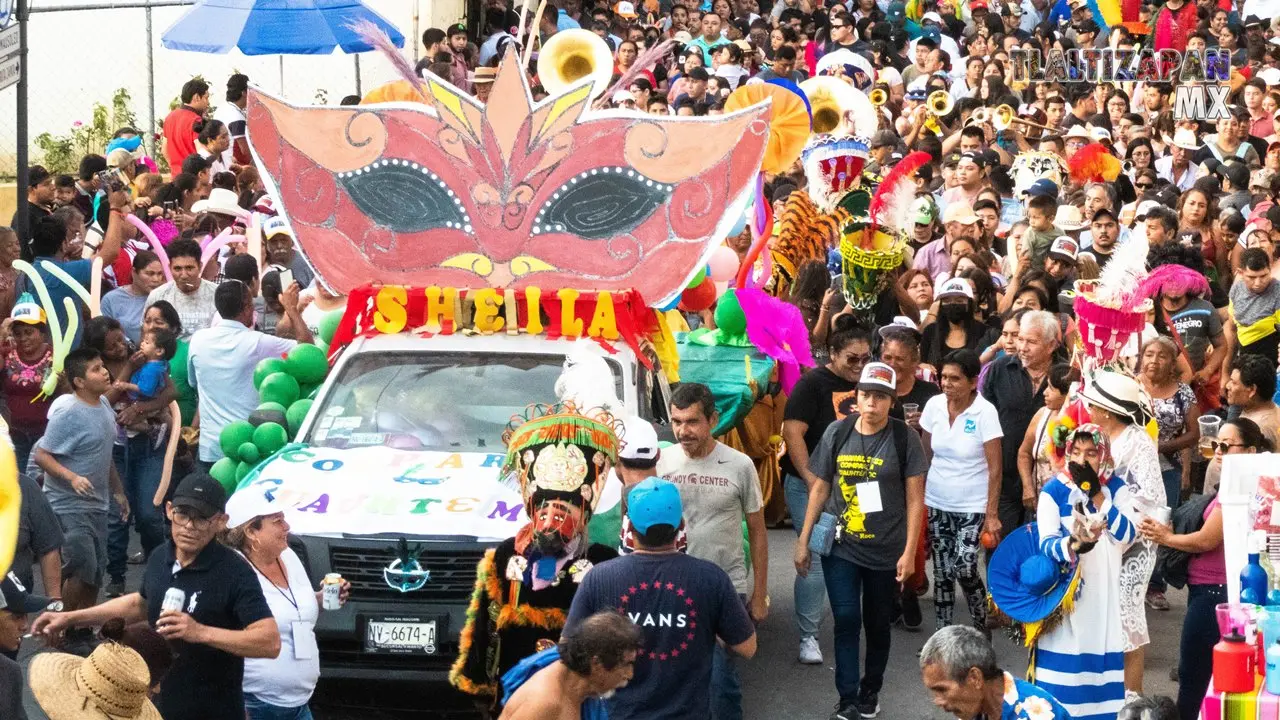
{"x": 216, "y": 244}
{"x": 724, "y": 264}
{"x": 156, "y": 246}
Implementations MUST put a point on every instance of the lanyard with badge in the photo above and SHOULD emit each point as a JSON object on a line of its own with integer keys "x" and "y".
{"x": 866, "y": 489}
{"x": 304, "y": 632}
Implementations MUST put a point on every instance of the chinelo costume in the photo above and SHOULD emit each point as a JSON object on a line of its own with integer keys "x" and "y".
{"x": 561, "y": 459}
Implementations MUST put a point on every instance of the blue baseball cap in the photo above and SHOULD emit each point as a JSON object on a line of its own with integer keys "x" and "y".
{"x": 1043, "y": 186}
{"x": 654, "y": 501}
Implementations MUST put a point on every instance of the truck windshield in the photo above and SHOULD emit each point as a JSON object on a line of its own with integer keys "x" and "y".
{"x": 459, "y": 402}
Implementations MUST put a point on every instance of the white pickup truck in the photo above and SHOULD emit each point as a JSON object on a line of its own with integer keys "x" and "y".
{"x": 396, "y": 485}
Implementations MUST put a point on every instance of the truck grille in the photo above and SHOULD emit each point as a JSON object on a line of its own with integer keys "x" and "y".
{"x": 453, "y": 574}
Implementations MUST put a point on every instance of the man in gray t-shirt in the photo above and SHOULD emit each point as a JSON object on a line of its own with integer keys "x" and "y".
{"x": 79, "y": 475}
{"x": 718, "y": 490}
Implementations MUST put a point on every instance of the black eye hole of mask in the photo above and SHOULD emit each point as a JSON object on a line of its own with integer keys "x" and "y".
{"x": 601, "y": 203}
{"x": 405, "y": 197}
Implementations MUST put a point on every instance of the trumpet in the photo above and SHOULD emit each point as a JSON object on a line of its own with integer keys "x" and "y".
{"x": 878, "y": 97}
{"x": 940, "y": 103}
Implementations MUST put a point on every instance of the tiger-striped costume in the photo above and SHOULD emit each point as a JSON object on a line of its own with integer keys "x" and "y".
{"x": 803, "y": 234}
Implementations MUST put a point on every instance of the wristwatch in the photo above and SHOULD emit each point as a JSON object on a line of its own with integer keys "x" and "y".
{"x": 54, "y": 606}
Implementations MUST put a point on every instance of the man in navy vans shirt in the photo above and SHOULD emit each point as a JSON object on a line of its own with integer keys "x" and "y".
{"x": 682, "y": 605}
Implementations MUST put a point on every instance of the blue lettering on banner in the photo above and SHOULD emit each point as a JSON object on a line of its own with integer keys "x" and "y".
{"x": 493, "y": 460}
{"x": 327, "y": 465}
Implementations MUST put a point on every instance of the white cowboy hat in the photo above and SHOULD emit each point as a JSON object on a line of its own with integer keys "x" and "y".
{"x": 1069, "y": 218}
{"x": 1118, "y": 394}
{"x": 1185, "y": 138}
{"x": 222, "y": 202}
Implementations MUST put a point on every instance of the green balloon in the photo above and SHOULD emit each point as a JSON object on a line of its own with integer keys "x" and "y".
{"x": 698, "y": 277}
{"x": 242, "y": 470}
{"x": 249, "y": 453}
{"x": 233, "y": 436}
{"x": 296, "y": 413}
{"x": 270, "y": 437}
{"x": 265, "y": 368}
{"x": 224, "y": 471}
{"x": 307, "y": 364}
{"x": 267, "y": 412}
{"x": 279, "y": 388}
{"x": 729, "y": 317}
{"x": 329, "y": 325}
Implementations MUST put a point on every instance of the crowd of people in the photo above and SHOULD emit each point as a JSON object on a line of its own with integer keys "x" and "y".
{"x": 930, "y": 432}
{"x": 176, "y": 328}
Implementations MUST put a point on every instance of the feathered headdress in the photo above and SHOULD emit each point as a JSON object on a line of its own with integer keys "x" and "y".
{"x": 891, "y": 206}
{"x": 1094, "y": 163}
{"x": 557, "y": 449}
{"x": 1112, "y": 309}
{"x": 1173, "y": 279}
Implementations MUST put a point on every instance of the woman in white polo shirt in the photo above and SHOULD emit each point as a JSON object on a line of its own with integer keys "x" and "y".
{"x": 278, "y": 688}
{"x": 961, "y": 434}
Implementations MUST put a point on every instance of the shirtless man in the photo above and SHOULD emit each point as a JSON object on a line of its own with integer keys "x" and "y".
{"x": 591, "y": 661}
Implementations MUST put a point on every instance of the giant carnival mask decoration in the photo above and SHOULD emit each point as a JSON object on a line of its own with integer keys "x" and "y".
{"x": 453, "y": 192}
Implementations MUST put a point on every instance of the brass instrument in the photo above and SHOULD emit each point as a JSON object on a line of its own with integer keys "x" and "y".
{"x": 1004, "y": 116}
{"x": 940, "y": 103}
{"x": 572, "y": 56}
{"x": 878, "y": 97}
{"x": 979, "y": 116}
{"x": 831, "y": 99}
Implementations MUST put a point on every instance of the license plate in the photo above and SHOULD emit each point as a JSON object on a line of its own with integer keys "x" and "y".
{"x": 396, "y": 636}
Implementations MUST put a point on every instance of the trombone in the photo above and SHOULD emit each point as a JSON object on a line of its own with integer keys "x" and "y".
{"x": 1004, "y": 116}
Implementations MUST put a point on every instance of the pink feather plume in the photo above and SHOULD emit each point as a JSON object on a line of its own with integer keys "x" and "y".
{"x": 1175, "y": 280}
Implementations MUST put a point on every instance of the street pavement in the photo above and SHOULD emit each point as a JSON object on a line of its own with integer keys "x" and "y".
{"x": 774, "y": 684}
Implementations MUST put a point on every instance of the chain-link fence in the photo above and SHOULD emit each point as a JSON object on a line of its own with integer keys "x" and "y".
{"x": 94, "y": 68}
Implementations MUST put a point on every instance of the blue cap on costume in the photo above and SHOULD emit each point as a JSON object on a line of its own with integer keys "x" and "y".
{"x": 1026, "y": 584}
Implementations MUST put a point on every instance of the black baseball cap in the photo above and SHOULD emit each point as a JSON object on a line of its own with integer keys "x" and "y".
{"x": 1190, "y": 238}
{"x": 15, "y": 598}
{"x": 1237, "y": 173}
{"x": 1102, "y": 212}
{"x": 201, "y": 493}
{"x": 978, "y": 158}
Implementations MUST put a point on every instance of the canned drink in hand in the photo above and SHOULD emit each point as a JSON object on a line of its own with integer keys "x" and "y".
{"x": 174, "y": 598}
{"x": 331, "y": 592}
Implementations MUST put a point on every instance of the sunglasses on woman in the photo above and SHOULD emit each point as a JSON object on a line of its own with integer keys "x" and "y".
{"x": 1224, "y": 447}
{"x": 1143, "y": 186}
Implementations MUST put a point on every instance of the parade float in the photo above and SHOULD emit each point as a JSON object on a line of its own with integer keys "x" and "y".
{"x": 485, "y": 250}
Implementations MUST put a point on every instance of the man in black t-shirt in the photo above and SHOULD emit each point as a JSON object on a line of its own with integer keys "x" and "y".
{"x": 223, "y": 620}
{"x": 40, "y": 192}
{"x": 682, "y": 604}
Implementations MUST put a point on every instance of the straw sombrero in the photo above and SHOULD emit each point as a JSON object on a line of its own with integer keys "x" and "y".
{"x": 113, "y": 682}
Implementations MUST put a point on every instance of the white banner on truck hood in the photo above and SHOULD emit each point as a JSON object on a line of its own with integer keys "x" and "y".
{"x": 371, "y": 490}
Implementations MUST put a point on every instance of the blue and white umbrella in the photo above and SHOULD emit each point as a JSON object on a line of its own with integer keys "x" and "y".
{"x": 276, "y": 27}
